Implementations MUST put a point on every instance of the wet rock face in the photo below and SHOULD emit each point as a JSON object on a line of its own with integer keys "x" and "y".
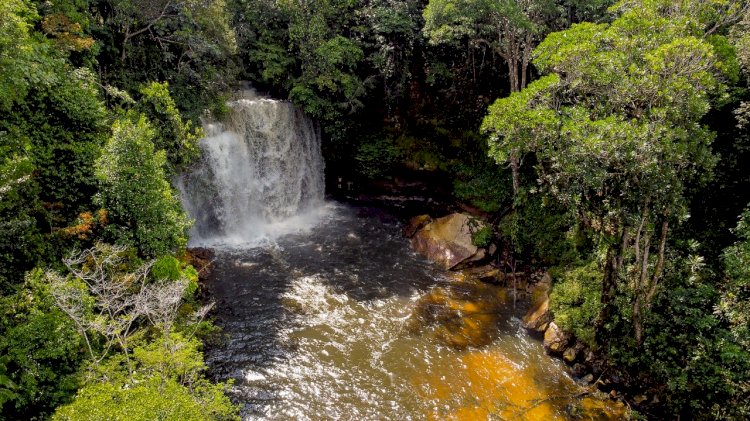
{"x": 447, "y": 241}
{"x": 538, "y": 317}
{"x": 555, "y": 340}
{"x": 201, "y": 259}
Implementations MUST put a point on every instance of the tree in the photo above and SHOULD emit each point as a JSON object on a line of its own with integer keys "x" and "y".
{"x": 509, "y": 28}
{"x": 740, "y": 37}
{"x": 188, "y": 43}
{"x": 142, "y": 205}
{"x": 111, "y": 293}
{"x": 310, "y": 51}
{"x": 116, "y": 306}
{"x": 166, "y": 383}
{"x": 586, "y": 10}
{"x": 17, "y": 50}
{"x": 614, "y": 129}
{"x": 21, "y": 242}
{"x": 40, "y": 352}
{"x": 197, "y": 23}
{"x": 391, "y": 44}
{"x": 735, "y": 304}
{"x": 177, "y": 138}
{"x": 51, "y": 130}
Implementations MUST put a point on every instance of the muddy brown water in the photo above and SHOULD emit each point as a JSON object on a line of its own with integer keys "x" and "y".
{"x": 345, "y": 322}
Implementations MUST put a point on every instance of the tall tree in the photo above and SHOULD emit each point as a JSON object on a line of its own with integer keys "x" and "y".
{"x": 509, "y": 28}
{"x": 615, "y": 129}
{"x": 52, "y": 124}
{"x": 188, "y": 43}
{"x": 143, "y": 207}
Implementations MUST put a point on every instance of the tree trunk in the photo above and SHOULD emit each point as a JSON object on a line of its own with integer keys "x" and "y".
{"x": 659, "y": 264}
{"x": 528, "y": 45}
{"x": 513, "y": 74}
{"x": 609, "y": 286}
{"x": 515, "y": 167}
{"x": 638, "y": 320}
{"x": 646, "y": 286}
{"x": 130, "y": 35}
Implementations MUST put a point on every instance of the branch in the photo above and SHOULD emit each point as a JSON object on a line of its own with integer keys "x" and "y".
{"x": 129, "y": 35}
{"x": 659, "y": 263}
{"x": 640, "y": 230}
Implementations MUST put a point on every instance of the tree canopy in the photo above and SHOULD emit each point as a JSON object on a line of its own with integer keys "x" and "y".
{"x": 601, "y": 141}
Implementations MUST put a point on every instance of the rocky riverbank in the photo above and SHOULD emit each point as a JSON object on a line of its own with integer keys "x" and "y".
{"x": 448, "y": 242}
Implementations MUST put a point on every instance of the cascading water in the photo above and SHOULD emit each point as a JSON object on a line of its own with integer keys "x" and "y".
{"x": 261, "y": 175}
{"x": 343, "y": 321}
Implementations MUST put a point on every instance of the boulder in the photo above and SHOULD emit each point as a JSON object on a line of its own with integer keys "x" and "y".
{"x": 538, "y": 316}
{"x": 447, "y": 241}
{"x": 555, "y": 340}
{"x": 572, "y": 353}
{"x": 415, "y": 224}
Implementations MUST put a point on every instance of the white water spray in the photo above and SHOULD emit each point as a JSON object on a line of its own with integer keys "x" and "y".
{"x": 261, "y": 175}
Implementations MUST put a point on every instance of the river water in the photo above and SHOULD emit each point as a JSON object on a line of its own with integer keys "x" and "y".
{"x": 345, "y": 322}
{"x": 325, "y": 311}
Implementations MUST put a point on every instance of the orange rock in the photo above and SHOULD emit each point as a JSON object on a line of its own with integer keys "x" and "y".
{"x": 555, "y": 340}
{"x": 447, "y": 241}
{"x": 538, "y": 316}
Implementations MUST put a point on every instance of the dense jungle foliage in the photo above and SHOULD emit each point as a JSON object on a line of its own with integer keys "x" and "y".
{"x": 604, "y": 141}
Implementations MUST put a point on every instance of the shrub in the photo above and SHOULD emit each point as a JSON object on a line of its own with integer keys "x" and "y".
{"x": 575, "y": 299}
{"x": 166, "y": 268}
{"x": 376, "y": 156}
{"x": 482, "y": 237}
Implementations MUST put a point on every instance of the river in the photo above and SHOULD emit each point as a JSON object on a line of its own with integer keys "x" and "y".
{"x": 345, "y": 322}
{"x": 326, "y": 313}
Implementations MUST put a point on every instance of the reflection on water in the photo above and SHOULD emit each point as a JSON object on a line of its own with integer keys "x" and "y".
{"x": 345, "y": 322}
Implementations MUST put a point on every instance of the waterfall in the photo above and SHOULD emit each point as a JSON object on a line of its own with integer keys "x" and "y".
{"x": 260, "y": 175}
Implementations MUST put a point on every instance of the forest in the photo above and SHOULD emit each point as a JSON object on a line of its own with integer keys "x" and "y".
{"x": 602, "y": 141}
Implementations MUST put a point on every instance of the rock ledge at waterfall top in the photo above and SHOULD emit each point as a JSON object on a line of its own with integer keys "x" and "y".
{"x": 446, "y": 241}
